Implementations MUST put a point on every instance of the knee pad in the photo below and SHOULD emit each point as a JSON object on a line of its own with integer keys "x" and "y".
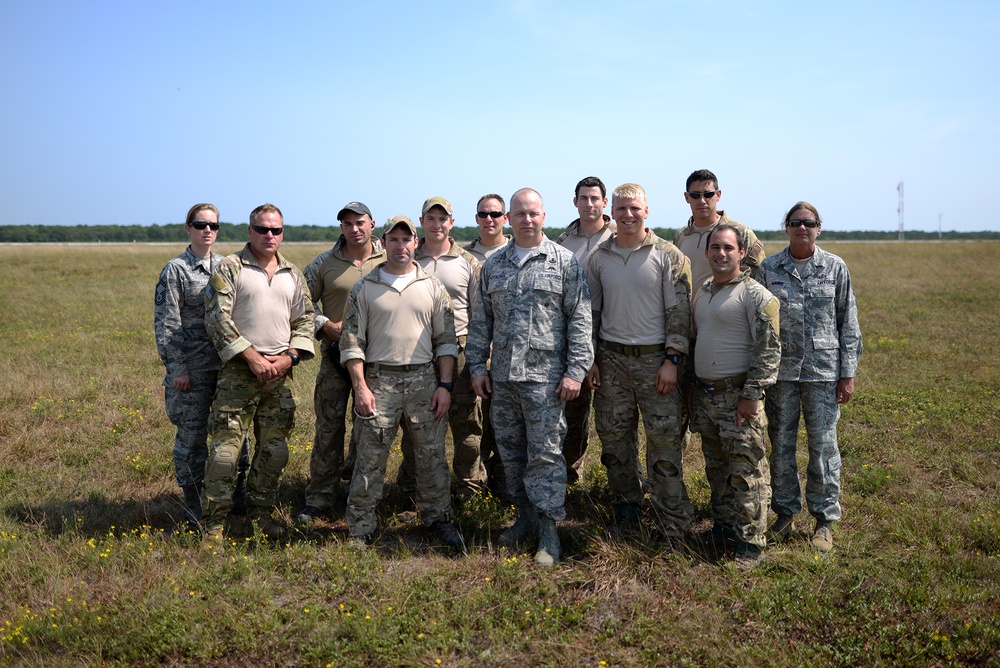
{"x": 222, "y": 464}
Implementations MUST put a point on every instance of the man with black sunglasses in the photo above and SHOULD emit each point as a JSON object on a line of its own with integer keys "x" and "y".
{"x": 702, "y": 193}
{"x": 490, "y": 217}
{"x": 330, "y": 278}
{"x": 582, "y": 237}
{"x": 260, "y": 319}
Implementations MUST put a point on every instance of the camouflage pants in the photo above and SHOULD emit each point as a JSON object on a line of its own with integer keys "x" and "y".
{"x": 242, "y": 402}
{"x": 530, "y": 423}
{"x": 326, "y": 462}
{"x": 735, "y": 455}
{"x": 574, "y": 446}
{"x": 188, "y": 411}
{"x": 817, "y": 403}
{"x": 400, "y": 395}
{"x": 628, "y": 388}
{"x": 465, "y": 420}
{"x": 490, "y": 454}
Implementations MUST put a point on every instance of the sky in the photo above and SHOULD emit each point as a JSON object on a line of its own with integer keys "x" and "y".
{"x": 129, "y": 112}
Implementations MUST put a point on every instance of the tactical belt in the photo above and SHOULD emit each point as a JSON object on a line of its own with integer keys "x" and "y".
{"x": 376, "y": 367}
{"x": 720, "y": 385}
{"x": 632, "y": 351}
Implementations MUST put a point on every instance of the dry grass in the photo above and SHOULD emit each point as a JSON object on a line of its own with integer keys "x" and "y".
{"x": 94, "y": 572}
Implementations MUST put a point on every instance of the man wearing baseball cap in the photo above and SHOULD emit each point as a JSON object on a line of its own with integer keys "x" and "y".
{"x": 398, "y": 320}
{"x": 441, "y": 257}
{"x": 330, "y": 278}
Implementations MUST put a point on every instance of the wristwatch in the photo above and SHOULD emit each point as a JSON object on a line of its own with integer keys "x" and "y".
{"x": 450, "y": 385}
{"x": 676, "y": 359}
{"x": 295, "y": 358}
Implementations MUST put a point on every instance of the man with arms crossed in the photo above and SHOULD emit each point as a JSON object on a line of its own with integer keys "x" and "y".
{"x": 442, "y": 258}
{"x": 398, "y": 320}
{"x": 330, "y": 277}
{"x": 642, "y": 315}
{"x": 735, "y": 357}
{"x": 533, "y": 307}
{"x": 702, "y": 193}
{"x": 582, "y": 237}
{"x": 260, "y": 319}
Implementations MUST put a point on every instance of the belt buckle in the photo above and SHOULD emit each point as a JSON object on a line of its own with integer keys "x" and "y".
{"x": 635, "y": 351}
{"x": 709, "y": 389}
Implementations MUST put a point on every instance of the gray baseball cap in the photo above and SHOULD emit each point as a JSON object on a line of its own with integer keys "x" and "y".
{"x": 356, "y": 207}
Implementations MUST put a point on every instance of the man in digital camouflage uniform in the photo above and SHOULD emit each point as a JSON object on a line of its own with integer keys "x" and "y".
{"x": 260, "y": 318}
{"x": 533, "y": 307}
{"x": 702, "y": 193}
{"x": 582, "y": 238}
{"x": 398, "y": 321}
{"x": 641, "y": 294}
{"x": 330, "y": 278}
{"x": 441, "y": 257}
{"x": 735, "y": 356}
{"x": 820, "y": 350}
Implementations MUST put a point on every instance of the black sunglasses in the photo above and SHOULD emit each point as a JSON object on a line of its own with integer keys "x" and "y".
{"x": 796, "y": 222}
{"x": 263, "y": 230}
{"x": 491, "y": 214}
{"x": 708, "y": 194}
{"x": 200, "y": 225}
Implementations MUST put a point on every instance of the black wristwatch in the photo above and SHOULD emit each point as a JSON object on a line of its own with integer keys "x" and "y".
{"x": 295, "y": 358}
{"x": 677, "y": 360}
{"x": 450, "y": 385}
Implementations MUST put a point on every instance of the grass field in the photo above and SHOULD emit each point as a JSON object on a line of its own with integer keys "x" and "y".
{"x": 93, "y": 572}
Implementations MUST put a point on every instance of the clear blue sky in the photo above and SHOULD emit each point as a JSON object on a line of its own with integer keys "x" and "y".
{"x": 129, "y": 112}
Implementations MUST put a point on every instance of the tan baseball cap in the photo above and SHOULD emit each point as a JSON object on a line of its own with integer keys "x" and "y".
{"x": 395, "y": 222}
{"x": 438, "y": 201}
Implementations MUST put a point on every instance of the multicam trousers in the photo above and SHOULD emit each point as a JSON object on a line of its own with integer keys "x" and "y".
{"x": 574, "y": 446}
{"x": 735, "y": 455}
{"x": 628, "y": 387}
{"x": 399, "y": 395}
{"x": 242, "y": 402}
{"x": 327, "y": 459}
{"x": 466, "y": 422}
{"x": 530, "y": 424}
{"x": 817, "y": 403}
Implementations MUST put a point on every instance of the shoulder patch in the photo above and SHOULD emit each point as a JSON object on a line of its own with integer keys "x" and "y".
{"x": 218, "y": 284}
{"x": 771, "y": 309}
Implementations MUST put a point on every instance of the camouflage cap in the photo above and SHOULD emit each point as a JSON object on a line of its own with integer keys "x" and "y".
{"x": 356, "y": 207}
{"x": 437, "y": 201}
{"x": 395, "y": 222}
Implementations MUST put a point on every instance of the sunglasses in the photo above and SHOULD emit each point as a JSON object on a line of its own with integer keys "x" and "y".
{"x": 708, "y": 194}
{"x": 200, "y": 225}
{"x": 489, "y": 214}
{"x": 263, "y": 230}
{"x": 796, "y": 222}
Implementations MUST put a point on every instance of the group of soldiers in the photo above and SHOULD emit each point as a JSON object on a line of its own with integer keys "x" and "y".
{"x": 509, "y": 341}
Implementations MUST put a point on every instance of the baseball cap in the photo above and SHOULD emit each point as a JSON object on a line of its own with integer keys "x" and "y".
{"x": 438, "y": 201}
{"x": 356, "y": 207}
{"x": 396, "y": 221}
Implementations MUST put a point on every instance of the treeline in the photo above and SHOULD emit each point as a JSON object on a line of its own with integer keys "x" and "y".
{"x": 236, "y": 232}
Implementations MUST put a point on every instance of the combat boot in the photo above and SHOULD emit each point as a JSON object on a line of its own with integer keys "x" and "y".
{"x": 192, "y": 501}
{"x": 271, "y": 529}
{"x": 449, "y": 534}
{"x": 748, "y": 556}
{"x": 524, "y": 527}
{"x": 781, "y": 530}
{"x": 822, "y": 538}
{"x": 549, "y": 549}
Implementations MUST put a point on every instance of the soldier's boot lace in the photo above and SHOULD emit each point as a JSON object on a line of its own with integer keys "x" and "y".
{"x": 549, "y": 549}
{"x": 822, "y": 538}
